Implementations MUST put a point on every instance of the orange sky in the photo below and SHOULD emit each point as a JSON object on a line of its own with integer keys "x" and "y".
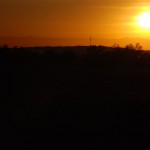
{"x": 72, "y": 19}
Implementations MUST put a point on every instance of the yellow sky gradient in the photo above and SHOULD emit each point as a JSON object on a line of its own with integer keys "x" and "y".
{"x": 72, "y": 19}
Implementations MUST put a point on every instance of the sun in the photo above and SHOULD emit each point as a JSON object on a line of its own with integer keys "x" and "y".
{"x": 144, "y": 20}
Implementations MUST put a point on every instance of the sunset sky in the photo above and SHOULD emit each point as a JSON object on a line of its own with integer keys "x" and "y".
{"x": 113, "y": 19}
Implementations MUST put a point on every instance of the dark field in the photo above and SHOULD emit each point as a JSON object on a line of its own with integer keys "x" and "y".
{"x": 75, "y": 97}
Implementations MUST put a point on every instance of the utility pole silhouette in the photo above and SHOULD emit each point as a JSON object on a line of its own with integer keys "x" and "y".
{"x": 90, "y": 41}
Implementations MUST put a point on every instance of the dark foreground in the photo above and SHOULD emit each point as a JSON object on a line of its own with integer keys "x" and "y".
{"x": 100, "y": 100}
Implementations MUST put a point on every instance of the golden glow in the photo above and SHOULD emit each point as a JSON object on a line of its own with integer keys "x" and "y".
{"x": 72, "y": 22}
{"x": 144, "y": 20}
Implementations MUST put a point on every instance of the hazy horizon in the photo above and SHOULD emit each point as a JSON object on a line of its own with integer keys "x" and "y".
{"x": 45, "y": 41}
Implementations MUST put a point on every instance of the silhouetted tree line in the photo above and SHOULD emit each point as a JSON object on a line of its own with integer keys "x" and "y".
{"x": 81, "y": 89}
{"x": 129, "y": 56}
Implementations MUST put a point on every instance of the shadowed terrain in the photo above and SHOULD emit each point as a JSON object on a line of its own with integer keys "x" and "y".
{"x": 95, "y": 97}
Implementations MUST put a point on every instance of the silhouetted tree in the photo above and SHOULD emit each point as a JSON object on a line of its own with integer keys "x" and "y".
{"x": 130, "y": 47}
{"x": 116, "y": 46}
{"x": 137, "y": 46}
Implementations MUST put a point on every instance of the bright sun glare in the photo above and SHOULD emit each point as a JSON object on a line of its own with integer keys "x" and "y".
{"x": 144, "y": 20}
